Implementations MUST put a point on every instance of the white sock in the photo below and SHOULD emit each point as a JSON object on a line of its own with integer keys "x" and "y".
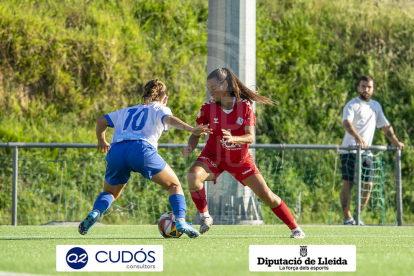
{"x": 205, "y": 214}
{"x": 297, "y": 229}
{"x": 180, "y": 219}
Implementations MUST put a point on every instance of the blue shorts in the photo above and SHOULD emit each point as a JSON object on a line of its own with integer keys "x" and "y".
{"x": 133, "y": 155}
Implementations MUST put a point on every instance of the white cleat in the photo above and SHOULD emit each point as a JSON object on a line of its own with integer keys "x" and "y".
{"x": 349, "y": 221}
{"x": 297, "y": 234}
{"x": 205, "y": 224}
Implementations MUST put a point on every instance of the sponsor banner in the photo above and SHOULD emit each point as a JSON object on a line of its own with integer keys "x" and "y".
{"x": 302, "y": 258}
{"x": 134, "y": 258}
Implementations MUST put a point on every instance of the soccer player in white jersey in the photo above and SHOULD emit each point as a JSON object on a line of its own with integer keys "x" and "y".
{"x": 134, "y": 148}
{"x": 360, "y": 117}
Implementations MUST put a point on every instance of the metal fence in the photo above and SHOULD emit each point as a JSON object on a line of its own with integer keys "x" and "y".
{"x": 398, "y": 185}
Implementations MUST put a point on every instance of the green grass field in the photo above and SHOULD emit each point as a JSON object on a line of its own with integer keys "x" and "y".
{"x": 224, "y": 250}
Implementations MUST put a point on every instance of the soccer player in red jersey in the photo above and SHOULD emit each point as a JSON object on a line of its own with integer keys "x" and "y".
{"x": 230, "y": 116}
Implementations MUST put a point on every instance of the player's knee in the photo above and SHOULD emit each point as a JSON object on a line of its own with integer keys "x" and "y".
{"x": 193, "y": 176}
{"x": 267, "y": 196}
{"x": 344, "y": 202}
{"x": 174, "y": 185}
{"x": 346, "y": 184}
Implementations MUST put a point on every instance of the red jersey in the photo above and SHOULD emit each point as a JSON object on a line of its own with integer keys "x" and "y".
{"x": 241, "y": 116}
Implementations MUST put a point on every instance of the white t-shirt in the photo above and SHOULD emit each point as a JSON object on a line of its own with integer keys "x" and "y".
{"x": 364, "y": 116}
{"x": 140, "y": 122}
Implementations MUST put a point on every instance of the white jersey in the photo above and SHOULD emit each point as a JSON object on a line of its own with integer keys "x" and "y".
{"x": 364, "y": 116}
{"x": 140, "y": 122}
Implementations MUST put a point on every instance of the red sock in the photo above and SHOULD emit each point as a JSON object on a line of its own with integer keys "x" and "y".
{"x": 283, "y": 212}
{"x": 199, "y": 198}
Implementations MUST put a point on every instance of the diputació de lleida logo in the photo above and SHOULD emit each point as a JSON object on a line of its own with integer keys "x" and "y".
{"x": 303, "y": 251}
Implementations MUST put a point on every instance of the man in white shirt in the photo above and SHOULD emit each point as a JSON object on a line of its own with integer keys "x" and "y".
{"x": 360, "y": 117}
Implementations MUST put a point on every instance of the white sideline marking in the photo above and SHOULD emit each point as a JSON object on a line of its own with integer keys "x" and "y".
{"x": 5, "y": 273}
{"x": 310, "y": 235}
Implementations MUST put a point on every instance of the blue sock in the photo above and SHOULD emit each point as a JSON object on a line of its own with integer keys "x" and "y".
{"x": 103, "y": 202}
{"x": 178, "y": 205}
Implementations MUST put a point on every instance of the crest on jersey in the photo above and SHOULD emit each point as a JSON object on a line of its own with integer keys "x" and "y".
{"x": 239, "y": 121}
{"x": 216, "y": 120}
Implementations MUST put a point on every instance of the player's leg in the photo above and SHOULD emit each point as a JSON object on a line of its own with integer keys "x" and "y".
{"x": 196, "y": 175}
{"x": 366, "y": 193}
{"x": 116, "y": 176}
{"x": 102, "y": 203}
{"x": 144, "y": 158}
{"x": 345, "y": 199}
{"x": 348, "y": 163}
{"x": 169, "y": 181}
{"x": 367, "y": 178}
{"x": 109, "y": 194}
{"x": 279, "y": 208}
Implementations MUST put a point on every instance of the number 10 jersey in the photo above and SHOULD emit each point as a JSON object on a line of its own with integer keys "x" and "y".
{"x": 140, "y": 122}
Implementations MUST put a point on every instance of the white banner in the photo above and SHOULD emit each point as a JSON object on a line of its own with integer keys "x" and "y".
{"x": 134, "y": 258}
{"x": 302, "y": 258}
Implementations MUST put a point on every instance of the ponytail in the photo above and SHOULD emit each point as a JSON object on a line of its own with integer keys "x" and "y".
{"x": 237, "y": 88}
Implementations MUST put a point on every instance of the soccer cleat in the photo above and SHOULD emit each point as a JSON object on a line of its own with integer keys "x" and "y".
{"x": 88, "y": 222}
{"x": 349, "y": 221}
{"x": 205, "y": 224}
{"x": 297, "y": 234}
{"x": 184, "y": 227}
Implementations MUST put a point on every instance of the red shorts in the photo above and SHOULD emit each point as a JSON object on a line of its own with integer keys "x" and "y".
{"x": 240, "y": 171}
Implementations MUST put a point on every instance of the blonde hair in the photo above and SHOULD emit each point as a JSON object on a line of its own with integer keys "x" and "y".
{"x": 237, "y": 88}
{"x": 154, "y": 90}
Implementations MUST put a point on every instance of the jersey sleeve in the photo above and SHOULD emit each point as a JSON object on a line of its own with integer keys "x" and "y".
{"x": 250, "y": 118}
{"x": 381, "y": 120}
{"x": 348, "y": 113}
{"x": 202, "y": 116}
{"x": 112, "y": 118}
{"x": 161, "y": 113}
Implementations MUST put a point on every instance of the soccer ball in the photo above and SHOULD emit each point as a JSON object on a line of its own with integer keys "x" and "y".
{"x": 166, "y": 226}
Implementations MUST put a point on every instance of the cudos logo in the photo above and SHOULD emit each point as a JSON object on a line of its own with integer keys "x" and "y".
{"x": 77, "y": 258}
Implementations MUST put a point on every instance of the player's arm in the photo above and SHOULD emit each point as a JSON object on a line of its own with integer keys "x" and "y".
{"x": 389, "y": 132}
{"x": 247, "y": 138}
{"x": 192, "y": 144}
{"x": 194, "y": 138}
{"x": 101, "y": 126}
{"x": 350, "y": 129}
{"x": 178, "y": 124}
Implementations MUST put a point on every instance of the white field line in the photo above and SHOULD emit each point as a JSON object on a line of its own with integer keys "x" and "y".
{"x": 362, "y": 235}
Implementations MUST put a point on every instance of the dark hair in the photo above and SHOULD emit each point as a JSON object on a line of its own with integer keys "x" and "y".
{"x": 366, "y": 78}
{"x": 237, "y": 88}
{"x": 154, "y": 90}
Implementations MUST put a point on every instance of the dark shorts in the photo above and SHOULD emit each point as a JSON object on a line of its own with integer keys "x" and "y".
{"x": 348, "y": 167}
{"x": 132, "y": 156}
